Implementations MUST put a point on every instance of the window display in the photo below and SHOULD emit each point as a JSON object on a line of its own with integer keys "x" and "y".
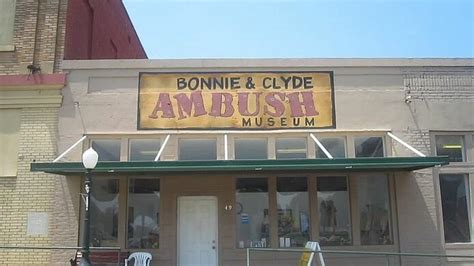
{"x": 293, "y": 211}
{"x": 104, "y": 207}
{"x": 374, "y": 210}
{"x": 144, "y": 213}
{"x": 334, "y": 215}
{"x": 251, "y": 213}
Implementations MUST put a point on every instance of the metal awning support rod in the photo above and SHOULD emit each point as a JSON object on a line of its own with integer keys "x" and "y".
{"x": 226, "y": 148}
{"x": 406, "y": 144}
{"x": 320, "y": 145}
{"x": 162, "y": 148}
{"x": 70, "y": 148}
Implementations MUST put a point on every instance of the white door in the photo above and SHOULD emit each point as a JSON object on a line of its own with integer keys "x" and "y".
{"x": 197, "y": 231}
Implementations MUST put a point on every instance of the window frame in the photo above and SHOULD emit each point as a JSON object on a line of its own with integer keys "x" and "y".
{"x": 131, "y": 138}
{"x": 9, "y": 46}
{"x": 467, "y": 168}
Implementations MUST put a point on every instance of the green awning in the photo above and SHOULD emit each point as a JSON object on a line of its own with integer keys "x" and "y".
{"x": 321, "y": 165}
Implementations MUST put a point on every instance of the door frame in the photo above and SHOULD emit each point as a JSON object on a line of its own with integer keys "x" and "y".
{"x": 213, "y": 197}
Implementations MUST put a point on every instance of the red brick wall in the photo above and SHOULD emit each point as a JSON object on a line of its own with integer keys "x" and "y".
{"x": 100, "y": 30}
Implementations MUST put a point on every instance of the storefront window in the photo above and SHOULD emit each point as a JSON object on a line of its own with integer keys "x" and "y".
{"x": 335, "y": 146}
{"x": 108, "y": 149}
{"x": 104, "y": 207}
{"x": 451, "y": 146}
{"x": 334, "y": 215}
{"x": 144, "y": 213}
{"x": 291, "y": 148}
{"x": 250, "y": 149}
{"x": 374, "y": 208}
{"x": 455, "y": 203}
{"x": 252, "y": 220}
{"x": 368, "y": 147}
{"x": 144, "y": 149}
{"x": 293, "y": 211}
{"x": 197, "y": 149}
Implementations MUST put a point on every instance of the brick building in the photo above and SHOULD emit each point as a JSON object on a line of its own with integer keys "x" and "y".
{"x": 35, "y": 37}
{"x": 219, "y": 155}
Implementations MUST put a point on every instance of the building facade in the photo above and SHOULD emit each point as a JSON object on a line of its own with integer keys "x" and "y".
{"x": 200, "y": 159}
{"x": 32, "y": 47}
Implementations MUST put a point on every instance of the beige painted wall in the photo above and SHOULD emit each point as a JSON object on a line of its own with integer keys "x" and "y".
{"x": 369, "y": 95}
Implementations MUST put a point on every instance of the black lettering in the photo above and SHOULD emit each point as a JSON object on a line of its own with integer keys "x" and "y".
{"x": 283, "y": 122}
{"x": 286, "y": 81}
{"x": 246, "y": 122}
{"x": 296, "y": 121}
{"x": 308, "y": 82}
{"x": 309, "y": 122}
{"x": 258, "y": 121}
{"x": 265, "y": 86}
{"x": 207, "y": 83}
{"x": 218, "y": 84}
{"x": 275, "y": 86}
{"x": 271, "y": 121}
{"x": 297, "y": 82}
{"x": 194, "y": 86}
{"x": 181, "y": 83}
{"x": 235, "y": 83}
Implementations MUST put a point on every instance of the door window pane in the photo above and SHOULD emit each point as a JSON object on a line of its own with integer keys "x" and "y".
{"x": 197, "y": 149}
{"x": 374, "y": 208}
{"x": 293, "y": 211}
{"x": 368, "y": 146}
{"x": 335, "y": 146}
{"x": 248, "y": 149}
{"x": 291, "y": 148}
{"x": 144, "y": 213}
{"x": 252, "y": 220}
{"x": 104, "y": 208}
{"x": 455, "y": 203}
{"x": 144, "y": 149}
{"x": 108, "y": 149}
{"x": 452, "y": 146}
{"x": 334, "y": 215}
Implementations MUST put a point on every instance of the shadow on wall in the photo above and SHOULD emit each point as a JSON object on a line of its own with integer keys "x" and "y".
{"x": 417, "y": 217}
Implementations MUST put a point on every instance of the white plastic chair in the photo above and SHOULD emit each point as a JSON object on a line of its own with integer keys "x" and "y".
{"x": 141, "y": 258}
{"x": 307, "y": 257}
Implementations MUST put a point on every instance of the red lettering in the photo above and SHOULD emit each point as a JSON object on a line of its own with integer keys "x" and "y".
{"x": 277, "y": 105}
{"x": 219, "y": 100}
{"x": 243, "y": 103}
{"x": 164, "y": 105}
{"x": 185, "y": 104}
{"x": 296, "y": 104}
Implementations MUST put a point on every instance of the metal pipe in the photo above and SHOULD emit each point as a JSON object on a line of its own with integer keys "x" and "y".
{"x": 85, "y": 260}
{"x": 70, "y": 148}
{"x": 162, "y": 148}
{"x": 406, "y": 144}
{"x": 226, "y": 149}
{"x": 321, "y": 146}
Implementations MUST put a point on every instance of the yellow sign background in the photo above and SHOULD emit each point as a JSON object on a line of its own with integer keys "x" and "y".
{"x": 154, "y": 84}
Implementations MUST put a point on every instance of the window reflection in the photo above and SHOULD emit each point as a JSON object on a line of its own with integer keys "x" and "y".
{"x": 335, "y": 147}
{"x": 374, "y": 208}
{"x": 108, "y": 149}
{"x": 104, "y": 207}
{"x": 291, "y": 148}
{"x": 252, "y": 220}
{"x": 250, "y": 149}
{"x": 293, "y": 211}
{"x": 334, "y": 215}
{"x": 455, "y": 204}
{"x": 197, "y": 149}
{"x": 144, "y": 149}
{"x": 451, "y": 146}
{"x": 368, "y": 147}
{"x": 144, "y": 213}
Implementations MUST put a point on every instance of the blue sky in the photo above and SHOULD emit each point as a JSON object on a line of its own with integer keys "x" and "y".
{"x": 304, "y": 28}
